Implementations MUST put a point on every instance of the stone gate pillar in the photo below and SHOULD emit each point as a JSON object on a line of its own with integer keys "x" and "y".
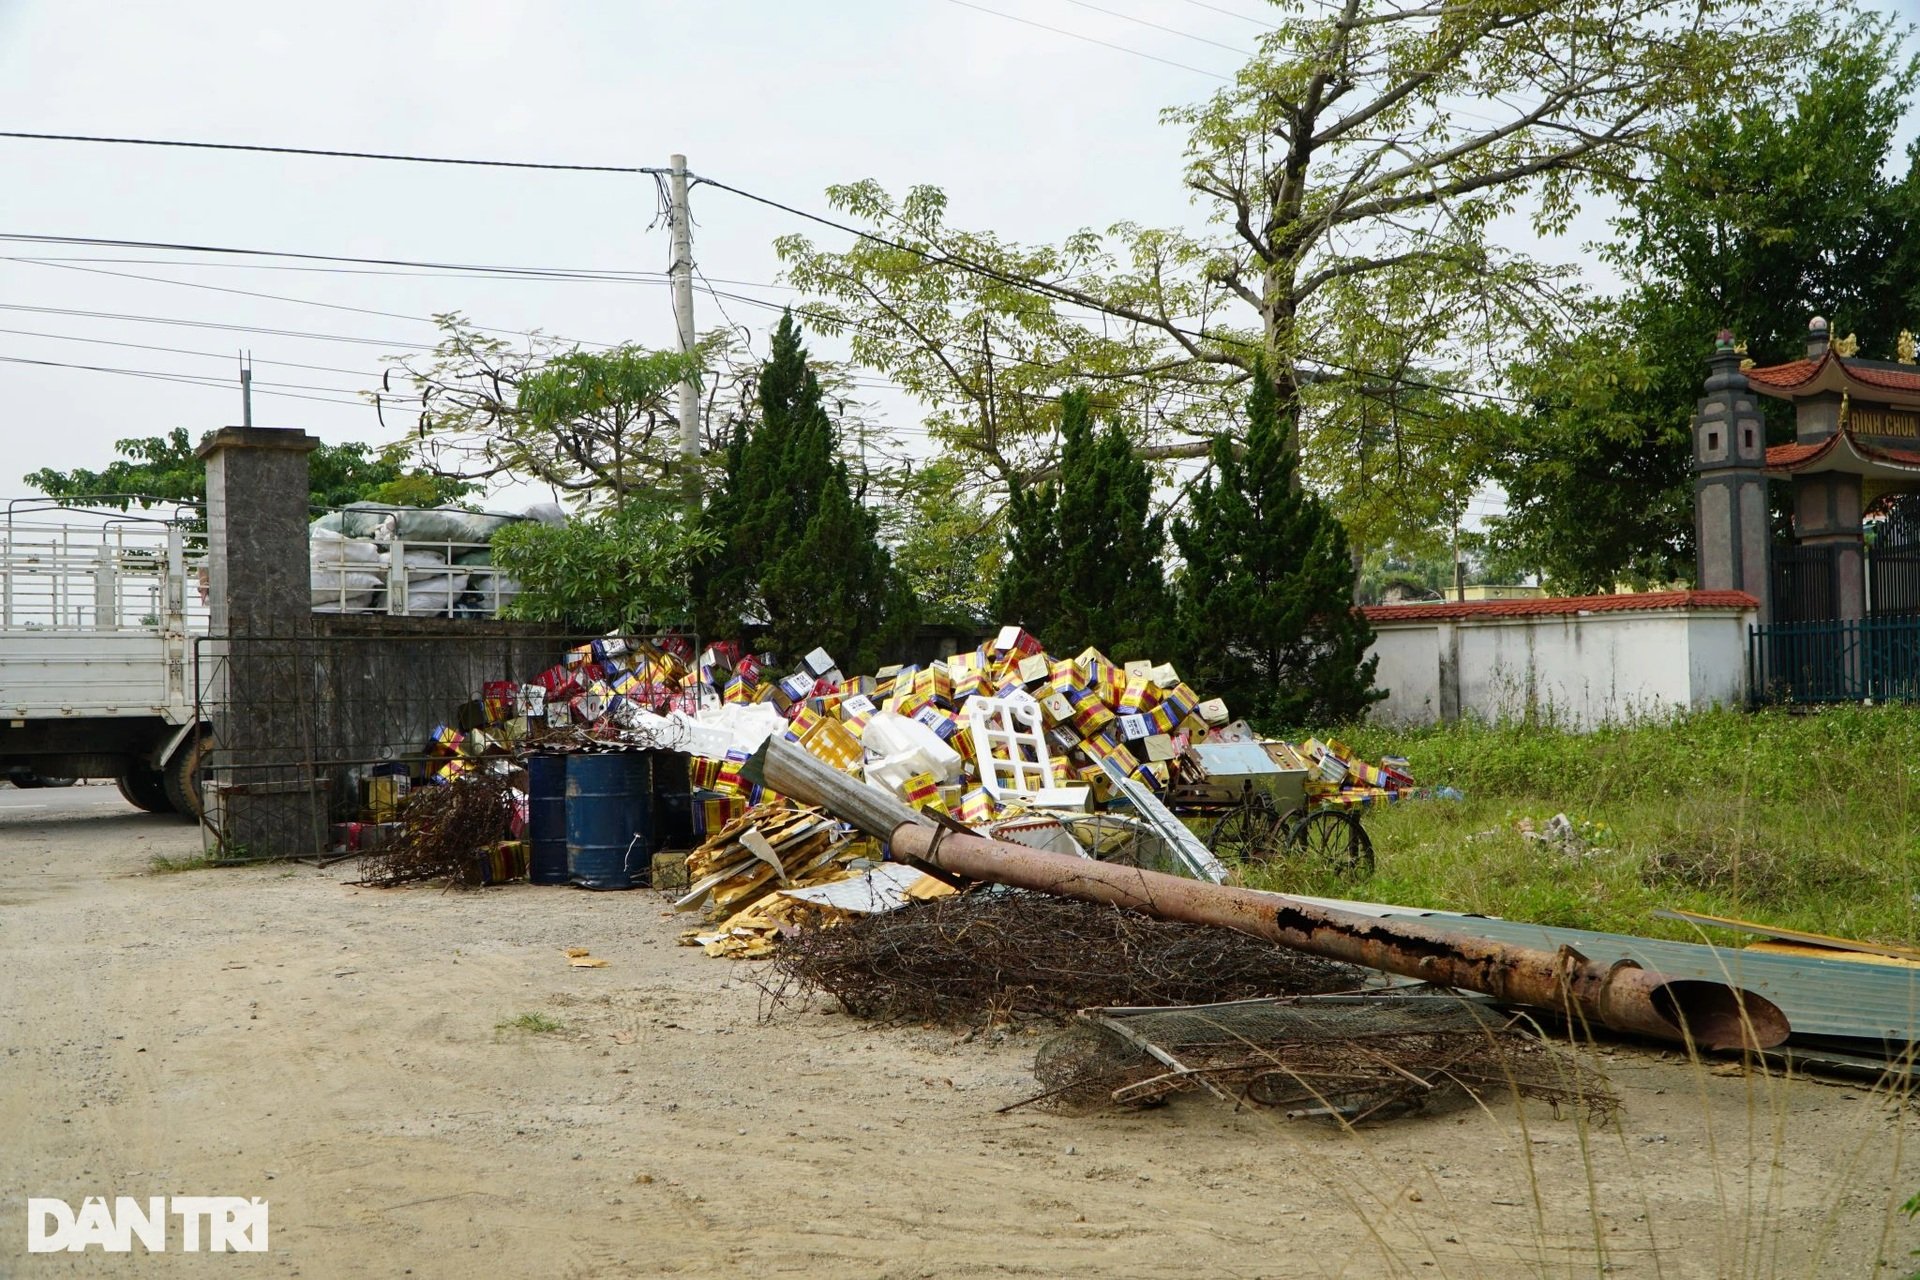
{"x": 267, "y": 802}
{"x": 1730, "y": 482}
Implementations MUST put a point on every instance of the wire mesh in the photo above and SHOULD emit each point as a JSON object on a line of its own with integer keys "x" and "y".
{"x": 1352, "y": 1059}
{"x": 316, "y": 719}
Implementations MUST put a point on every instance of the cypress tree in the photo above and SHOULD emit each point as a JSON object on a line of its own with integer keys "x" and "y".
{"x": 1084, "y": 552}
{"x": 1265, "y": 617}
{"x": 1028, "y": 592}
{"x": 795, "y": 552}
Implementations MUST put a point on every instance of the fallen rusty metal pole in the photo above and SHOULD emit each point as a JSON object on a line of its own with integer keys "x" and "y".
{"x": 1622, "y": 997}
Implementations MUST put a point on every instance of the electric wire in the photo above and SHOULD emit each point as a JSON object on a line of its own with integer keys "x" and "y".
{"x": 187, "y": 379}
{"x": 1156, "y": 26}
{"x": 537, "y": 275}
{"x": 1202, "y": 4}
{"x": 258, "y": 330}
{"x": 280, "y": 297}
{"x": 1079, "y": 35}
{"x": 1041, "y": 288}
{"x": 182, "y": 351}
{"x": 327, "y": 152}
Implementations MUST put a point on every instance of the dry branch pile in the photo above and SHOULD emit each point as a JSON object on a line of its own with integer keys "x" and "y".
{"x": 987, "y": 955}
{"x": 446, "y": 831}
{"x": 1354, "y": 1059}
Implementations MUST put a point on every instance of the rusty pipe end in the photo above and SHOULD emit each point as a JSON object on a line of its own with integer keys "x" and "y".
{"x": 1717, "y": 1016}
{"x": 1712, "y": 1015}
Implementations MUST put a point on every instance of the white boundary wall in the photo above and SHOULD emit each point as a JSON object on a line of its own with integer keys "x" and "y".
{"x": 1578, "y": 669}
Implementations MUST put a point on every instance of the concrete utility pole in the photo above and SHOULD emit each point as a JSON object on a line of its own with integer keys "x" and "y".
{"x": 681, "y": 270}
{"x": 246, "y": 388}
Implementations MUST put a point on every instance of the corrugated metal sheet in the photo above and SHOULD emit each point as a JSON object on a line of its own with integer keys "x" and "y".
{"x": 1823, "y": 999}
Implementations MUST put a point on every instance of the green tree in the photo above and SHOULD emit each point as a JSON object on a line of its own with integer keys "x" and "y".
{"x": 619, "y": 569}
{"x": 164, "y": 468}
{"x": 1361, "y": 173}
{"x": 595, "y": 426}
{"x": 1084, "y": 564}
{"x": 792, "y": 552}
{"x": 1763, "y": 213}
{"x": 947, "y": 542}
{"x": 1265, "y": 617}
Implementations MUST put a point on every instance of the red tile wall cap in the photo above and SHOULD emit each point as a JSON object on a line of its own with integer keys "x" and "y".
{"x": 1558, "y": 606}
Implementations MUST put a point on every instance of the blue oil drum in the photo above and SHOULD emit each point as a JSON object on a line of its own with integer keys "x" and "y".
{"x": 547, "y": 819}
{"x": 609, "y": 820}
{"x": 673, "y": 826}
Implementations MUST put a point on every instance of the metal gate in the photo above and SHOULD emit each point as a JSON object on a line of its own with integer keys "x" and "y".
{"x": 1867, "y": 660}
{"x": 1893, "y": 562}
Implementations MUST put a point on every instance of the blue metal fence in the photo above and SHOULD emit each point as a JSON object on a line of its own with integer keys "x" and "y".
{"x": 1859, "y": 660}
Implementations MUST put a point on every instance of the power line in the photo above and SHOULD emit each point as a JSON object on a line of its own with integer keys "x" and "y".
{"x": 304, "y": 302}
{"x": 1202, "y": 4}
{"x": 332, "y": 154}
{"x": 182, "y": 351}
{"x": 536, "y": 274}
{"x": 168, "y": 246}
{"x": 1040, "y": 288}
{"x": 187, "y": 379}
{"x": 1077, "y": 35}
{"x": 303, "y": 334}
{"x": 1142, "y": 22}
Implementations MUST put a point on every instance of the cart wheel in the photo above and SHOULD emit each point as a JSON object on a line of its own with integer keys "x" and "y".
{"x": 1252, "y": 832}
{"x": 1334, "y": 838}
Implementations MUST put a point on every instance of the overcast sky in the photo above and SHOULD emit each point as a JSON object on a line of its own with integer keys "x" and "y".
{"x": 1034, "y": 133}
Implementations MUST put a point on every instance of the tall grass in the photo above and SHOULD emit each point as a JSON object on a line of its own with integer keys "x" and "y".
{"x": 1811, "y": 821}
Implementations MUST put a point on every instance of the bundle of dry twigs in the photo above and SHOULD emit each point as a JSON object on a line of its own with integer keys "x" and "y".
{"x": 1352, "y": 1059}
{"x": 446, "y": 831}
{"x": 988, "y": 955}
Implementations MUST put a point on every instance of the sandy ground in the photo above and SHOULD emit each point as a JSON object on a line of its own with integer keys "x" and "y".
{"x": 277, "y": 1032}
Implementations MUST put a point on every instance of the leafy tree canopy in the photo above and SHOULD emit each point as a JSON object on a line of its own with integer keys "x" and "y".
{"x": 1763, "y": 213}
{"x": 1264, "y": 598}
{"x": 792, "y": 552}
{"x": 1084, "y": 549}
{"x": 165, "y": 468}
{"x": 1356, "y": 175}
{"x": 622, "y": 569}
{"x": 946, "y": 540}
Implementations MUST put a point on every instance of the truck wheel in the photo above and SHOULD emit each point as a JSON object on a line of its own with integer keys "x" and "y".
{"x": 145, "y": 789}
{"x": 183, "y": 773}
{"x": 25, "y": 781}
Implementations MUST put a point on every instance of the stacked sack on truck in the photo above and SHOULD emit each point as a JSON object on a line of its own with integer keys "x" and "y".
{"x": 441, "y": 558}
{"x": 347, "y": 575}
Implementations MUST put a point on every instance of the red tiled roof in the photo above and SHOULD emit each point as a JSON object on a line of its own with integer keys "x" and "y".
{"x": 1790, "y": 374}
{"x": 1905, "y": 457}
{"x": 1551, "y": 606}
{"x": 1792, "y": 455}
{"x": 1795, "y": 373}
{"x": 1788, "y": 457}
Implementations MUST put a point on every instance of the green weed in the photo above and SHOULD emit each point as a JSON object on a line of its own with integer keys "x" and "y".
{"x": 1807, "y": 821}
{"x": 161, "y": 865}
{"x": 537, "y": 1024}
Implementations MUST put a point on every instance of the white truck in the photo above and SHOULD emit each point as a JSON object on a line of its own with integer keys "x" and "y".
{"x": 100, "y": 610}
{"x": 97, "y": 614}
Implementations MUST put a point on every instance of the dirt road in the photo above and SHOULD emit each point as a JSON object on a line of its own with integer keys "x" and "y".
{"x": 351, "y": 1056}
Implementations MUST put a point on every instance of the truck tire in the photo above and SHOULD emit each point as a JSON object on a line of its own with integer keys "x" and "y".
{"x": 183, "y": 773}
{"x": 145, "y": 789}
